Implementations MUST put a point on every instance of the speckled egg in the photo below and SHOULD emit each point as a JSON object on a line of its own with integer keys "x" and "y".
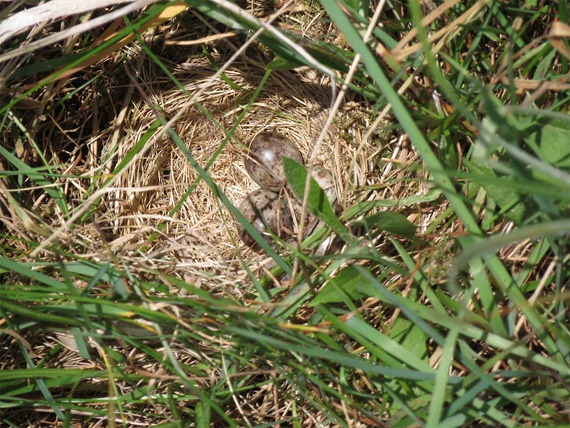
{"x": 263, "y": 162}
{"x": 267, "y": 213}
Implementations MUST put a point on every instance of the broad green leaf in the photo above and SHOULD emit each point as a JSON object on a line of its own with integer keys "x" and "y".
{"x": 510, "y": 201}
{"x": 318, "y": 203}
{"x": 203, "y": 414}
{"x": 347, "y": 280}
{"x": 549, "y": 138}
{"x": 410, "y": 336}
{"x": 391, "y": 222}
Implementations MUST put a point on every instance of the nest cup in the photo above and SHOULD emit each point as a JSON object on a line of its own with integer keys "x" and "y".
{"x": 202, "y": 235}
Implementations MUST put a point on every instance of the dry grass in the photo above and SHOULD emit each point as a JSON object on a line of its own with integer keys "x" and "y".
{"x": 156, "y": 218}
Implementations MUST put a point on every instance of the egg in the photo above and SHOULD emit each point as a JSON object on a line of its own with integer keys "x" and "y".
{"x": 268, "y": 213}
{"x": 264, "y": 160}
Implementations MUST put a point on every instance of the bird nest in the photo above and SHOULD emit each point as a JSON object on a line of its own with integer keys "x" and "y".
{"x": 163, "y": 191}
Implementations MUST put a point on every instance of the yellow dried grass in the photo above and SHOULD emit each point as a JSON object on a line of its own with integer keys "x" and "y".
{"x": 293, "y": 103}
